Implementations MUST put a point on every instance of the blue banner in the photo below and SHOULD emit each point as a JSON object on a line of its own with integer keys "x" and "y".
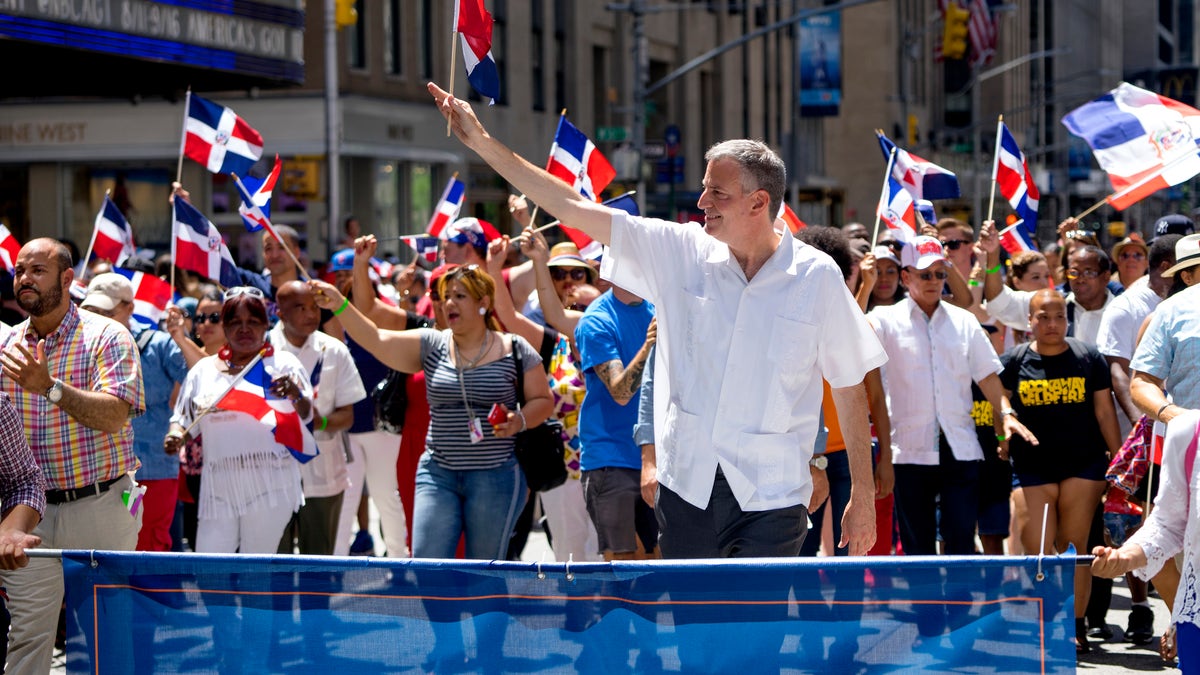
{"x": 820, "y": 65}
{"x": 181, "y": 613}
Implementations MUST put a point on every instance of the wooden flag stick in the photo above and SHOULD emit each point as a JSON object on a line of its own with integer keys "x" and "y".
{"x": 453, "y": 68}
{"x": 271, "y": 229}
{"x": 187, "y": 105}
{"x": 883, "y": 194}
{"x": 237, "y": 378}
{"x": 995, "y": 167}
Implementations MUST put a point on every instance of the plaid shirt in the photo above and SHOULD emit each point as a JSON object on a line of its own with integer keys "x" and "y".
{"x": 21, "y": 481}
{"x": 92, "y": 353}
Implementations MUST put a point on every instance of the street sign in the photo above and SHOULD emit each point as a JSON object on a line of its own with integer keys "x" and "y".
{"x": 611, "y": 134}
{"x": 654, "y": 150}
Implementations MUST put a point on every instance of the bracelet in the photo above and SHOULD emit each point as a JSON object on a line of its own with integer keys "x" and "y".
{"x": 1166, "y": 405}
{"x": 524, "y": 425}
{"x": 341, "y": 308}
{"x": 996, "y": 269}
{"x": 324, "y": 423}
{"x": 974, "y": 284}
{"x": 1001, "y": 437}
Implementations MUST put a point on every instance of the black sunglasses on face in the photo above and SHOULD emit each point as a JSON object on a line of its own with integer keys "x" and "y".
{"x": 213, "y": 318}
{"x": 954, "y": 244}
{"x": 926, "y": 276}
{"x": 577, "y": 274}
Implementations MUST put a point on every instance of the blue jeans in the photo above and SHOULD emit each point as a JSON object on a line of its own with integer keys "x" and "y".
{"x": 482, "y": 504}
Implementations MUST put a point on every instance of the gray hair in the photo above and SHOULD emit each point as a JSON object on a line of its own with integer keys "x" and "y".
{"x": 762, "y": 169}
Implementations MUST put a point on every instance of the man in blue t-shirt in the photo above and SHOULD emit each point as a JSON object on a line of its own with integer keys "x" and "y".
{"x": 614, "y": 338}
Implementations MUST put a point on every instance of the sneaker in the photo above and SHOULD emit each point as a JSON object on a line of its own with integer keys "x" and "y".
{"x": 1141, "y": 625}
{"x": 364, "y": 544}
{"x": 1082, "y": 646}
{"x": 1100, "y": 632}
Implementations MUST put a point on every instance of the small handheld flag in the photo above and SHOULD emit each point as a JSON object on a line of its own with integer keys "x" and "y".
{"x": 252, "y": 395}
{"x": 217, "y": 138}
{"x": 923, "y": 179}
{"x": 112, "y": 237}
{"x": 448, "y": 206}
{"x": 474, "y": 22}
{"x": 575, "y": 160}
{"x": 260, "y": 190}
{"x": 151, "y": 296}
{"x": 1015, "y": 238}
{"x": 898, "y": 211}
{"x": 198, "y": 246}
{"x": 9, "y": 248}
{"x": 1010, "y": 171}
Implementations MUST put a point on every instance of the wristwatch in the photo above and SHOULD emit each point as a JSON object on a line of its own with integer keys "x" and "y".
{"x": 1004, "y": 412}
{"x": 819, "y": 462}
{"x": 55, "y": 392}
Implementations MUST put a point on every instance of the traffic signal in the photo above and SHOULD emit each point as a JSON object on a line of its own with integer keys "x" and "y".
{"x": 345, "y": 14}
{"x": 954, "y": 37}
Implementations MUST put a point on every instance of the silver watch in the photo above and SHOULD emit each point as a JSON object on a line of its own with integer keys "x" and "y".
{"x": 819, "y": 462}
{"x": 55, "y": 393}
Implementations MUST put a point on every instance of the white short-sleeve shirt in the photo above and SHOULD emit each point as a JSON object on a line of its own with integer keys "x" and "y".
{"x": 1123, "y": 317}
{"x": 739, "y": 366}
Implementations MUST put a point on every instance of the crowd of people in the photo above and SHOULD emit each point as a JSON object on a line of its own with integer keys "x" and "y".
{"x": 729, "y": 390}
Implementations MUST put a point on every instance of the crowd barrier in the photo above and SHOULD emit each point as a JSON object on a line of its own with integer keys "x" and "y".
{"x": 184, "y": 613}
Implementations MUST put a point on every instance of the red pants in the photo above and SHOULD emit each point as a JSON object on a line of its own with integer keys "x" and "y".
{"x": 158, "y": 510}
{"x": 883, "y": 526}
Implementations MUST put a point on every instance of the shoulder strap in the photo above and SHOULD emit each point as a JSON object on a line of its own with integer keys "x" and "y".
{"x": 516, "y": 357}
{"x": 1020, "y": 352}
{"x": 1071, "y": 319}
{"x": 143, "y": 339}
{"x": 1079, "y": 350}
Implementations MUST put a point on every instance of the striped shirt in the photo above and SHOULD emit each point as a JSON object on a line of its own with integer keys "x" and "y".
{"x": 449, "y": 440}
{"x": 92, "y": 353}
{"x": 21, "y": 481}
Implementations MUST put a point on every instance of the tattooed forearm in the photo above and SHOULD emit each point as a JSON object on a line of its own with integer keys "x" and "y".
{"x": 622, "y": 381}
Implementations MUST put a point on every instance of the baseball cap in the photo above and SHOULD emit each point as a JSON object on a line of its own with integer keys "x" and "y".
{"x": 342, "y": 261}
{"x": 471, "y": 231}
{"x": 921, "y": 252}
{"x": 106, "y": 291}
{"x": 187, "y": 304}
{"x": 885, "y": 253}
{"x": 1174, "y": 223}
{"x": 1187, "y": 254}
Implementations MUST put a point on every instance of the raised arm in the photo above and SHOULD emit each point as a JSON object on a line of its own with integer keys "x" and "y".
{"x": 380, "y": 313}
{"x": 513, "y": 320}
{"x": 550, "y": 193}
{"x": 398, "y": 350}
{"x": 533, "y": 245}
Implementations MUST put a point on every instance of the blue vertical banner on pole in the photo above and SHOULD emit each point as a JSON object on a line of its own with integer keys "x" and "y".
{"x": 820, "y": 65}
{"x": 182, "y": 613}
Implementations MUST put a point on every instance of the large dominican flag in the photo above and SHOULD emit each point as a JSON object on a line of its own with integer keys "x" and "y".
{"x": 898, "y": 210}
{"x": 151, "y": 296}
{"x": 473, "y": 21}
{"x": 923, "y": 179}
{"x": 252, "y": 395}
{"x": 112, "y": 237}
{"x": 447, "y": 207}
{"x": 1010, "y": 170}
{"x": 216, "y": 137}
{"x": 1146, "y": 142}
{"x": 198, "y": 247}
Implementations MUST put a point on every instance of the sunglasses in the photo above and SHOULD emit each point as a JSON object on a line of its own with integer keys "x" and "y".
{"x": 576, "y": 274}
{"x": 1132, "y": 255}
{"x": 201, "y": 319}
{"x": 1086, "y": 274}
{"x": 954, "y": 244}
{"x": 926, "y": 276}
{"x": 244, "y": 290}
{"x": 1080, "y": 234}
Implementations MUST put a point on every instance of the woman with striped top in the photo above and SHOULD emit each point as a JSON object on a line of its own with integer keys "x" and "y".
{"x": 468, "y": 480}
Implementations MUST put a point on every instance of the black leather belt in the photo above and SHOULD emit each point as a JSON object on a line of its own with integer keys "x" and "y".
{"x": 64, "y": 496}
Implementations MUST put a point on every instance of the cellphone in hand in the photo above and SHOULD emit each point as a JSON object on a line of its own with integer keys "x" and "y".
{"x": 498, "y": 415}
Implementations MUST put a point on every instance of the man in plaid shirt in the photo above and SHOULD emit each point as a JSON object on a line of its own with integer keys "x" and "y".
{"x": 75, "y": 381}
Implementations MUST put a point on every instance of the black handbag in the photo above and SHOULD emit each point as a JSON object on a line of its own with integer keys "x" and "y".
{"x": 540, "y": 451}
{"x": 391, "y": 402}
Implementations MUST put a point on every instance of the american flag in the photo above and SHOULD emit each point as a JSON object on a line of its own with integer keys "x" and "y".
{"x": 981, "y": 31}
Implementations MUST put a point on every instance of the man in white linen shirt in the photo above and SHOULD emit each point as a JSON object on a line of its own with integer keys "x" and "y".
{"x": 749, "y": 321}
{"x": 935, "y": 350}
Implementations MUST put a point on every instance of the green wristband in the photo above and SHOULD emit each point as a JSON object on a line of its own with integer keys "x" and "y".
{"x": 974, "y": 284}
{"x": 341, "y": 308}
{"x": 1001, "y": 438}
{"x": 324, "y": 423}
{"x": 994, "y": 270}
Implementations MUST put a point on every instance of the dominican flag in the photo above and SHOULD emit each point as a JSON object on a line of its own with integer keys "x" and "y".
{"x": 9, "y": 248}
{"x": 793, "y": 221}
{"x": 923, "y": 179}
{"x": 216, "y": 137}
{"x": 898, "y": 210}
{"x": 589, "y": 248}
{"x": 151, "y": 296}
{"x": 251, "y": 212}
{"x": 112, "y": 237}
{"x": 1015, "y": 238}
{"x": 252, "y": 395}
{"x": 1146, "y": 142}
{"x": 575, "y": 160}
{"x": 426, "y": 247}
{"x": 448, "y": 206}
{"x": 198, "y": 246}
{"x": 1010, "y": 171}
{"x": 475, "y": 24}
{"x": 260, "y": 190}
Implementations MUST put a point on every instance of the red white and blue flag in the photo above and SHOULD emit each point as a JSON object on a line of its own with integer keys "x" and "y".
{"x": 426, "y": 247}
{"x": 1015, "y": 238}
{"x": 252, "y": 395}
{"x": 112, "y": 237}
{"x": 198, "y": 247}
{"x": 151, "y": 296}
{"x": 447, "y": 207}
{"x": 1146, "y": 142}
{"x": 9, "y": 248}
{"x": 252, "y": 212}
{"x": 216, "y": 137}
{"x": 575, "y": 160}
{"x": 923, "y": 179}
{"x": 260, "y": 190}
{"x": 1010, "y": 171}
{"x": 791, "y": 219}
{"x": 475, "y": 23}
{"x": 898, "y": 210}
